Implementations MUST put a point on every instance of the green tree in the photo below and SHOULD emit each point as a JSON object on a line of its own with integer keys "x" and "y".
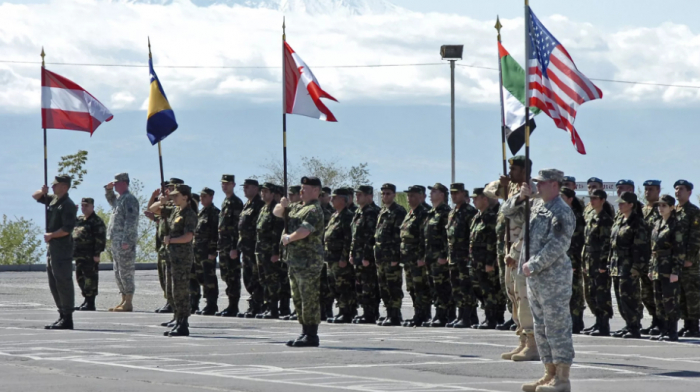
{"x": 146, "y": 241}
{"x": 20, "y": 241}
{"x": 72, "y": 165}
{"x": 331, "y": 173}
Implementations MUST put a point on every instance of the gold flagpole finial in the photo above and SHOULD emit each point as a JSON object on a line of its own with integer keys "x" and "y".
{"x": 498, "y": 27}
{"x": 284, "y": 28}
{"x": 149, "y": 48}
{"x": 43, "y": 65}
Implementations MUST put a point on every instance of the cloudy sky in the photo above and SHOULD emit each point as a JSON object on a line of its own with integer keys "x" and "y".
{"x": 394, "y": 118}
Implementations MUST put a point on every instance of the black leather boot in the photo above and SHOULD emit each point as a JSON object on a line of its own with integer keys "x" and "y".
{"x": 310, "y": 339}
{"x": 505, "y": 326}
{"x": 88, "y": 305}
{"x": 290, "y": 343}
{"x": 345, "y": 317}
{"x": 587, "y": 331}
{"x": 273, "y": 313}
{"x": 577, "y": 324}
{"x": 81, "y": 305}
{"x": 491, "y": 320}
{"x": 662, "y": 331}
{"x": 284, "y": 306}
{"x": 603, "y": 327}
{"x": 369, "y": 316}
{"x": 50, "y": 326}
{"x": 693, "y": 329}
{"x": 633, "y": 332}
{"x": 169, "y": 324}
{"x": 66, "y": 322}
{"x": 440, "y": 319}
{"x": 464, "y": 318}
{"x": 210, "y": 309}
{"x": 194, "y": 303}
{"x": 671, "y": 331}
{"x": 231, "y": 310}
{"x": 474, "y": 318}
{"x": 181, "y": 329}
{"x": 393, "y": 318}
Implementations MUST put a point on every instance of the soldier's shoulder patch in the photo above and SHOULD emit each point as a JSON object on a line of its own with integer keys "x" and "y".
{"x": 557, "y": 227}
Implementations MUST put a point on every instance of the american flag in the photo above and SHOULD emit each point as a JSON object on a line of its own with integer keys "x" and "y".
{"x": 556, "y": 86}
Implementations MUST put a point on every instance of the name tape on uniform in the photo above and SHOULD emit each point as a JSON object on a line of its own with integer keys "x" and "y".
{"x": 607, "y": 186}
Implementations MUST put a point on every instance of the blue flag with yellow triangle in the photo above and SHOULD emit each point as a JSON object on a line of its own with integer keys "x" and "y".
{"x": 161, "y": 118}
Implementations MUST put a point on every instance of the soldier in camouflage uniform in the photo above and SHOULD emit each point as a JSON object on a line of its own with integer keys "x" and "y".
{"x": 549, "y": 276}
{"x": 458, "y": 225}
{"x": 690, "y": 275}
{"x": 267, "y": 251}
{"x": 599, "y": 221}
{"x": 436, "y": 254}
{"x": 413, "y": 257}
{"x": 387, "y": 253}
{"x": 629, "y": 252}
{"x": 229, "y": 258}
{"x": 578, "y": 303}
{"x": 501, "y": 251}
{"x": 304, "y": 256}
{"x": 89, "y": 239}
{"x": 328, "y": 293}
{"x": 364, "y": 225}
{"x": 123, "y": 231}
{"x": 667, "y": 258}
{"x": 652, "y": 189}
{"x": 352, "y": 206}
{"x": 294, "y": 196}
{"x": 246, "y": 245}
{"x": 337, "y": 241}
{"x": 206, "y": 236}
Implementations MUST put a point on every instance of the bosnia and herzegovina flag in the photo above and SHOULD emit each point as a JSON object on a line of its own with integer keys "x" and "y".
{"x": 161, "y": 118}
{"x": 513, "y": 85}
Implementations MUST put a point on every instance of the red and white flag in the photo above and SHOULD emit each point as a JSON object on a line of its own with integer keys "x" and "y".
{"x": 302, "y": 92}
{"x": 65, "y": 105}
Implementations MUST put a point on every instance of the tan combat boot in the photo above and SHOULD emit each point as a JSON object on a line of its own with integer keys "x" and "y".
{"x": 114, "y": 308}
{"x": 126, "y": 306}
{"x": 560, "y": 382}
{"x": 508, "y": 356}
{"x": 529, "y": 353}
{"x": 549, "y": 372}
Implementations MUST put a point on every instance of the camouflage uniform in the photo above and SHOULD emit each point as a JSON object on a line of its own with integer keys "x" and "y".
{"x": 501, "y": 250}
{"x": 230, "y": 269}
{"x": 89, "y": 237}
{"x": 162, "y": 231}
{"x": 364, "y": 224}
{"x": 483, "y": 253}
{"x": 413, "y": 250}
{"x": 595, "y": 258}
{"x": 246, "y": 246}
{"x": 328, "y": 292}
{"x": 667, "y": 257}
{"x": 205, "y": 238}
{"x": 458, "y": 225}
{"x": 651, "y": 216}
{"x": 123, "y": 229}
{"x": 269, "y": 231}
{"x": 337, "y": 241}
{"x": 387, "y": 250}
{"x": 690, "y": 276}
{"x": 180, "y": 257}
{"x": 577, "y": 303}
{"x": 437, "y": 247}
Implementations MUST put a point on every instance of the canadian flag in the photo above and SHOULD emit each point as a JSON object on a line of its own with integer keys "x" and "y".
{"x": 302, "y": 92}
{"x": 65, "y": 105}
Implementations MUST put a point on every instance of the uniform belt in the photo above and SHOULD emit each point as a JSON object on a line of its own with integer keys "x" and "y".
{"x": 662, "y": 252}
{"x": 479, "y": 245}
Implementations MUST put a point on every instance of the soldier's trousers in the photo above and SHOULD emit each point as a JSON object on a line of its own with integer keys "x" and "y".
{"x": 327, "y": 290}
{"x": 666, "y": 296}
{"x": 305, "y": 283}
{"x": 647, "y": 294}
{"x": 87, "y": 274}
{"x": 205, "y": 275}
{"x": 177, "y": 273}
{"x": 59, "y": 269}
{"x": 690, "y": 292}
{"x": 489, "y": 288}
{"x": 476, "y": 287}
{"x": 441, "y": 289}
{"x": 589, "y": 291}
{"x": 285, "y": 284}
{"x": 251, "y": 276}
{"x": 195, "y": 290}
{"x": 502, "y": 282}
{"x": 549, "y": 295}
{"x": 124, "y": 267}
{"x": 461, "y": 282}
{"x": 600, "y": 293}
{"x": 517, "y": 291}
{"x": 230, "y": 270}
{"x": 421, "y": 285}
{"x": 390, "y": 284}
{"x": 161, "y": 271}
{"x": 577, "y": 304}
{"x": 271, "y": 275}
{"x": 409, "y": 281}
{"x": 628, "y": 297}
{"x": 343, "y": 279}
{"x": 367, "y": 285}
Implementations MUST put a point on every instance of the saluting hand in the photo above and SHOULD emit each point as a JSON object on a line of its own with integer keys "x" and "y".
{"x": 505, "y": 181}
{"x": 109, "y": 186}
{"x": 44, "y": 189}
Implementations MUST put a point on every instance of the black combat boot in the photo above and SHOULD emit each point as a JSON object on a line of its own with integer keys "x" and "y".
{"x": 66, "y": 322}
{"x": 210, "y": 309}
{"x": 345, "y": 317}
{"x": 167, "y": 308}
{"x": 654, "y": 324}
{"x": 273, "y": 312}
{"x": 50, "y": 326}
{"x": 671, "y": 331}
{"x": 284, "y": 306}
{"x": 663, "y": 331}
{"x": 474, "y": 318}
{"x": 587, "y": 331}
{"x": 451, "y": 314}
{"x": 633, "y": 332}
{"x": 393, "y": 318}
{"x": 440, "y": 319}
{"x": 89, "y": 304}
{"x": 693, "y": 329}
{"x": 310, "y": 339}
{"x": 369, "y": 316}
{"x": 328, "y": 312}
{"x": 169, "y": 324}
{"x": 294, "y": 316}
{"x": 682, "y": 331}
{"x": 460, "y": 315}
{"x": 381, "y": 319}
{"x": 81, "y": 305}
{"x": 290, "y": 343}
{"x": 620, "y": 333}
{"x": 194, "y": 303}
{"x": 577, "y": 324}
{"x": 181, "y": 329}
{"x": 505, "y": 326}
{"x": 231, "y": 310}
{"x": 464, "y": 318}
{"x": 491, "y": 320}
{"x": 603, "y": 327}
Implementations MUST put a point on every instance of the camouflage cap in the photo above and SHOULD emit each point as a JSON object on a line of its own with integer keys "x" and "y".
{"x": 601, "y": 194}
{"x": 668, "y": 199}
{"x": 88, "y": 200}
{"x": 684, "y": 183}
{"x": 456, "y": 187}
{"x": 366, "y": 189}
{"x": 652, "y": 183}
{"x": 312, "y": 181}
{"x": 568, "y": 179}
{"x": 62, "y": 179}
{"x": 195, "y": 196}
{"x": 627, "y": 197}
{"x": 228, "y": 178}
{"x": 349, "y": 189}
{"x": 294, "y": 189}
{"x": 121, "y": 177}
{"x": 389, "y": 186}
{"x": 477, "y": 192}
{"x": 181, "y": 189}
{"x": 594, "y": 179}
{"x": 624, "y": 182}
{"x": 519, "y": 160}
{"x": 422, "y": 188}
{"x": 208, "y": 191}
{"x": 269, "y": 186}
{"x": 415, "y": 189}
{"x": 341, "y": 192}
{"x": 568, "y": 192}
{"x": 175, "y": 181}
{"x": 549, "y": 175}
{"x": 326, "y": 190}
{"x": 439, "y": 187}
{"x": 250, "y": 181}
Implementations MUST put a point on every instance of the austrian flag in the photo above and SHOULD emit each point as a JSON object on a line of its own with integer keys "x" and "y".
{"x": 302, "y": 92}
{"x": 65, "y": 105}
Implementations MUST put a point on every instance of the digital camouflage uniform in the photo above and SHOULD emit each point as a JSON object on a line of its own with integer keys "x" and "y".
{"x": 305, "y": 261}
{"x": 413, "y": 250}
{"x": 206, "y": 236}
{"x": 667, "y": 257}
{"x": 161, "y": 230}
{"x": 483, "y": 253}
{"x": 364, "y": 225}
{"x": 501, "y": 250}
{"x": 328, "y": 293}
{"x": 437, "y": 247}
{"x": 123, "y": 229}
{"x": 595, "y": 258}
{"x": 549, "y": 285}
{"x": 269, "y": 230}
{"x": 651, "y": 215}
{"x": 629, "y": 252}
{"x": 89, "y": 237}
{"x": 577, "y": 303}
{"x": 180, "y": 257}
{"x": 387, "y": 250}
{"x": 246, "y": 248}
{"x": 230, "y": 269}
{"x": 459, "y": 223}
{"x": 337, "y": 240}
{"x": 690, "y": 276}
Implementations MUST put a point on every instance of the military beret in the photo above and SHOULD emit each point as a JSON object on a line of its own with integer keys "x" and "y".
{"x": 341, "y": 192}
{"x": 414, "y": 189}
{"x": 294, "y": 189}
{"x": 477, "y": 191}
{"x": 549, "y": 175}
{"x": 327, "y": 190}
{"x": 195, "y": 197}
{"x": 62, "y": 179}
{"x": 121, "y": 177}
{"x": 181, "y": 189}
{"x": 228, "y": 178}
{"x": 568, "y": 192}
{"x": 208, "y": 191}
{"x": 652, "y": 183}
{"x": 594, "y": 179}
{"x": 685, "y": 183}
{"x": 367, "y": 189}
{"x": 627, "y": 197}
{"x": 88, "y": 200}
{"x": 519, "y": 160}
{"x": 668, "y": 199}
{"x": 601, "y": 194}
{"x": 439, "y": 187}
{"x": 175, "y": 181}
{"x": 568, "y": 179}
{"x": 456, "y": 187}
{"x": 313, "y": 181}
{"x": 389, "y": 186}
{"x": 250, "y": 181}
{"x": 625, "y": 182}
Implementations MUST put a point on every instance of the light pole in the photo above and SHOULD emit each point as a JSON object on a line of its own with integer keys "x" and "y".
{"x": 452, "y": 53}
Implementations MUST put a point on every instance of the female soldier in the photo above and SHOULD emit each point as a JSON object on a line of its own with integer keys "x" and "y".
{"x": 628, "y": 259}
{"x": 182, "y": 222}
{"x": 595, "y": 253}
{"x": 577, "y": 303}
{"x": 667, "y": 257}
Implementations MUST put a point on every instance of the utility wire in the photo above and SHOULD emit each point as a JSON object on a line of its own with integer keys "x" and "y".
{"x": 324, "y": 66}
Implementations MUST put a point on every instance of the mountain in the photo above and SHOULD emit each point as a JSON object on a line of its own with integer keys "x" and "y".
{"x": 311, "y": 7}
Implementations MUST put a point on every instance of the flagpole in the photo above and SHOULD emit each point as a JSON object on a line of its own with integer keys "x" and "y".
{"x": 46, "y": 153}
{"x": 284, "y": 114}
{"x": 503, "y": 125}
{"x": 527, "y": 127}
{"x": 160, "y": 150}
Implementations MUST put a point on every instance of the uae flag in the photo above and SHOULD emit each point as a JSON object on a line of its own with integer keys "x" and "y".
{"x": 513, "y": 86}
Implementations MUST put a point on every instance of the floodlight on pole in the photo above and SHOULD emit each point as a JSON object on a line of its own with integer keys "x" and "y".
{"x": 452, "y": 53}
